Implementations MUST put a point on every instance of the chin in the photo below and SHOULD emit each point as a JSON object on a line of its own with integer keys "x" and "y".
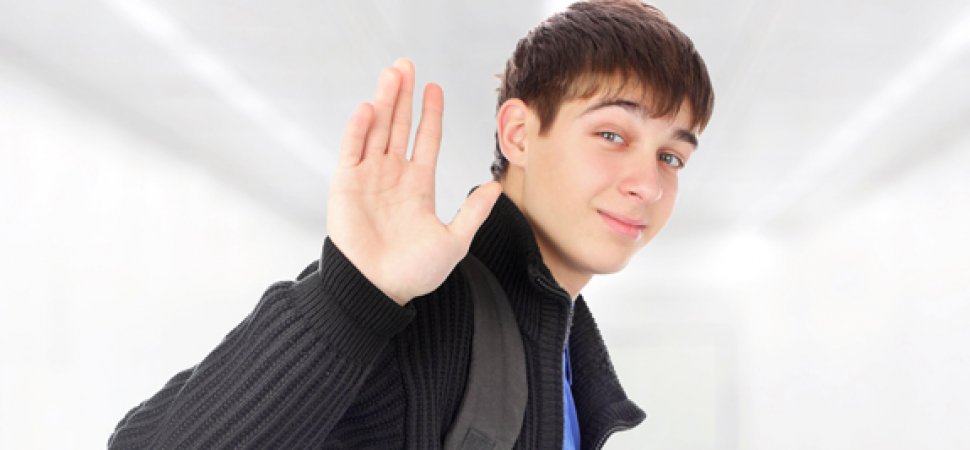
{"x": 607, "y": 264}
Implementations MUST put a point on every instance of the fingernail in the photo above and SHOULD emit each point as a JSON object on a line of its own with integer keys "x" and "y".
{"x": 388, "y": 73}
{"x": 402, "y": 64}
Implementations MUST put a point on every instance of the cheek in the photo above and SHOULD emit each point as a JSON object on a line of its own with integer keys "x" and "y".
{"x": 664, "y": 208}
{"x": 670, "y": 186}
{"x": 566, "y": 166}
{"x": 600, "y": 168}
{"x": 546, "y": 162}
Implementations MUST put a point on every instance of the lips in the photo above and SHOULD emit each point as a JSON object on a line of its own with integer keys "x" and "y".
{"x": 626, "y": 227}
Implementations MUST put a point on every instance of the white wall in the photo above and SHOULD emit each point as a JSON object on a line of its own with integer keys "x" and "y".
{"x": 860, "y": 340}
{"x": 121, "y": 265}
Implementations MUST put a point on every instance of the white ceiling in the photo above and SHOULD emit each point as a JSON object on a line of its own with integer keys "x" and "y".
{"x": 818, "y": 103}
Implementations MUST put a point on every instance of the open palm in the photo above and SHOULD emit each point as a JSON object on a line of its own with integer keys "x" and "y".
{"x": 381, "y": 210}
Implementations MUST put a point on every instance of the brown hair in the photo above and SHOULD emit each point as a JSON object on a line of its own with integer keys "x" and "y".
{"x": 602, "y": 45}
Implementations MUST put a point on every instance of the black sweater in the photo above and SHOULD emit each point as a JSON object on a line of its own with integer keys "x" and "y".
{"x": 329, "y": 361}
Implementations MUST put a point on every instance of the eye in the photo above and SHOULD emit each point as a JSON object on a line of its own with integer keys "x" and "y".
{"x": 671, "y": 160}
{"x": 611, "y": 136}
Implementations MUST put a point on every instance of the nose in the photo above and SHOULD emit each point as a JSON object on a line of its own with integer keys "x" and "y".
{"x": 643, "y": 181}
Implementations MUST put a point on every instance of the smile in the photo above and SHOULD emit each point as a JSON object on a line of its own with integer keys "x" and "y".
{"x": 626, "y": 229}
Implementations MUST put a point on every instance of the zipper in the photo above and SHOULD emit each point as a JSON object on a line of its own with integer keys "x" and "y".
{"x": 562, "y": 295}
{"x": 541, "y": 281}
{"x": 560, "y": 292}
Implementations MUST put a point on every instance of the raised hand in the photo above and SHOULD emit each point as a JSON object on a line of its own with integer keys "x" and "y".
{"x": 381, "y": 209}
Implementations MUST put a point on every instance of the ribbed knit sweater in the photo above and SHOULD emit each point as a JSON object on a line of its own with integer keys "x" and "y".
{"x": 328, "y": 361}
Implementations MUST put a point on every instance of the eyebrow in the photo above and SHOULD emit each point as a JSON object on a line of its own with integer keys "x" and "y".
{"x": 686, "y": 136}
{"x": 637, "y": 108}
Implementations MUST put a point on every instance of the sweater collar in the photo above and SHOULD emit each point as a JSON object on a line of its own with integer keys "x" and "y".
{"x": 507, "y": 245}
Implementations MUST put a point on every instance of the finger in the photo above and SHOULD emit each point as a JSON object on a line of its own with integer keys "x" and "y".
{"x": 352, "y": 143}
{"x": 388, "y": 84}
{"x": 401, "y": 121}
{"x": 428, "y": 138}
{"x": 474, "y": 211}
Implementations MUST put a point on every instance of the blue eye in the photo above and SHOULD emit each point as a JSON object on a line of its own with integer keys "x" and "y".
{"x": 672, "y": 160}
{"x": 612, "y": 137}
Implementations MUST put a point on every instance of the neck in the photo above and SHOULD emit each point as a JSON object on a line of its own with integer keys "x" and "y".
{"x": 569, "y": 278}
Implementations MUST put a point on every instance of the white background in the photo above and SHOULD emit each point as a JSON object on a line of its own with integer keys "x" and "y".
{"x": 161, "y": 163}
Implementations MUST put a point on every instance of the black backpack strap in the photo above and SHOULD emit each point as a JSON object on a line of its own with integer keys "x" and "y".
{"x": 496, "y": 391}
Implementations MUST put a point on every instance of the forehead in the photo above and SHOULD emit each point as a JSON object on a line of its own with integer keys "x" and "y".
{"x": 593, "y": 88}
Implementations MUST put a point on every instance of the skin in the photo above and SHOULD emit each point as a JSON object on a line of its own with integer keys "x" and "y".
{"x": 595, "y": 188}
{"x": 599, "y": 184}
{"x": 381, "y": 206}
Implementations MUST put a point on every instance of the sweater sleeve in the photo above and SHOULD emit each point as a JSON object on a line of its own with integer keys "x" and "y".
{"x": 284, "y": 376}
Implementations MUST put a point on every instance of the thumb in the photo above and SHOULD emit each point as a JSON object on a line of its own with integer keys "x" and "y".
{"x": 474, "y": 211}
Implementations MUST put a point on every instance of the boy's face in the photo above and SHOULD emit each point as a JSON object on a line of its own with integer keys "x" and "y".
{"x": 600, "y": 183}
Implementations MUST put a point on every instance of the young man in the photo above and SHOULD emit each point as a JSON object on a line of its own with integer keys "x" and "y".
{"x": 370, "y": 348}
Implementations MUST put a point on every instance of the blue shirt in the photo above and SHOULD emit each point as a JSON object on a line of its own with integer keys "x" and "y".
{"x": 570, "y": 434}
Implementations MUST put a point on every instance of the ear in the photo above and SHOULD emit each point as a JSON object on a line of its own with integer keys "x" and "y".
{"x": 511, "y": 128}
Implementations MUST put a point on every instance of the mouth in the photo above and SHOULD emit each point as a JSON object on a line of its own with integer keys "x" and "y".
{"x": 627, "y": 228}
